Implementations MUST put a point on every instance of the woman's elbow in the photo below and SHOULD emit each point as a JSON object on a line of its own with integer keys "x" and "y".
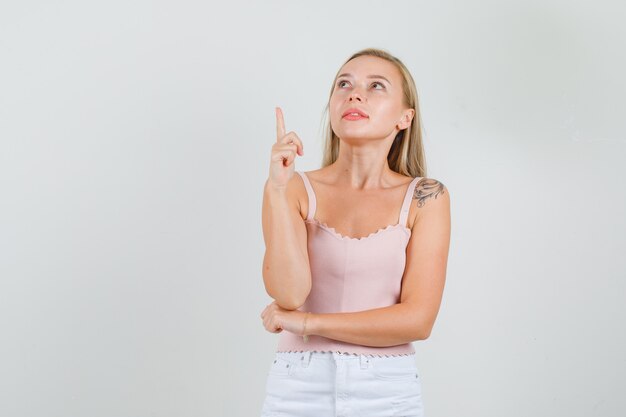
{"x": 300, "y": 298}
{"x": 290, "y": 299}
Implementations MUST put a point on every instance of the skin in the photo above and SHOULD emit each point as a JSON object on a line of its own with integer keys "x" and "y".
{"x": 361, "y": 173}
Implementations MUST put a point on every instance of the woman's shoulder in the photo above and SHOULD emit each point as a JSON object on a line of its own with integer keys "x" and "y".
{"x": 431, "y": 194}
{"x": 431, "y": 185}
{"x": 315, "y": 174}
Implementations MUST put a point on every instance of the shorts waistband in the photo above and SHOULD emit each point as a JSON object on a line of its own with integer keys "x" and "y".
{"x": 365, "y": 360}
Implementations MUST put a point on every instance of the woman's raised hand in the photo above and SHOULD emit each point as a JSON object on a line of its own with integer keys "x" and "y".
{"x": 284, "y": 151}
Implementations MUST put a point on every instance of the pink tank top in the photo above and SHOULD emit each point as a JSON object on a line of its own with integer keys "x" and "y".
{"x": 352, "y": 274}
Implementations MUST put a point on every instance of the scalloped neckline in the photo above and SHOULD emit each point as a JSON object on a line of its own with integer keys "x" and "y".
{"x": 338, "y": 235}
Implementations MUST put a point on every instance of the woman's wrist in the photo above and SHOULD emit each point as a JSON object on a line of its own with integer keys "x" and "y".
{"x": 305, "y": 335}
{"x": 312, "y": 324}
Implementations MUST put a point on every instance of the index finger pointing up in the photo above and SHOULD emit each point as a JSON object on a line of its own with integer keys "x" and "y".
{"x": 280, "y": 124}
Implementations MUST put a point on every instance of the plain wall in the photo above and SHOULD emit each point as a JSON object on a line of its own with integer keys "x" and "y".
{"x": 134, "y": 145}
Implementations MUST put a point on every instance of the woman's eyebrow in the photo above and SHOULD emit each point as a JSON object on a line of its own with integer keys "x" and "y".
{"x": 369, "y": 76}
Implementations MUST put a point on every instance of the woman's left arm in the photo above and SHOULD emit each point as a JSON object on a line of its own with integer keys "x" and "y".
{"x": 422, "y": 284}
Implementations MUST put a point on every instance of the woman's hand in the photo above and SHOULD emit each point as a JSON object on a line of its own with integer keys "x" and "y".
{"x": 283, "y": 155}
{"x": 276, "y": 319}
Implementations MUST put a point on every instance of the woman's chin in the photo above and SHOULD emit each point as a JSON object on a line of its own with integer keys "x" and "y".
{"x": 355, "y": 137}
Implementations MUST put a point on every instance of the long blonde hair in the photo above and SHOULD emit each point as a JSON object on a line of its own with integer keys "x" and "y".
{"x": 406, "y": 155}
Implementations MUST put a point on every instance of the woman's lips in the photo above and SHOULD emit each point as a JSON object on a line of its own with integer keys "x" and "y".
{"x": 353, "y": 117}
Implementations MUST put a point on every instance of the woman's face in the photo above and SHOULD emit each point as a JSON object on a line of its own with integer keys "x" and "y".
{"x": 379, "y": 97}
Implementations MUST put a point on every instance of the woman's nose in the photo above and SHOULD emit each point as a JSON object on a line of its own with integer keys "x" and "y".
{"x": 355, "y": 96}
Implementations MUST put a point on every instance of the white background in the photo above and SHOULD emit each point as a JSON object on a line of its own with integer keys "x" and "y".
{"x": 134, "y": 145}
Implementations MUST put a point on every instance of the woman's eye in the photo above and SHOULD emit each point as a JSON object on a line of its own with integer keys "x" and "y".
{"x": 340, "y": 84}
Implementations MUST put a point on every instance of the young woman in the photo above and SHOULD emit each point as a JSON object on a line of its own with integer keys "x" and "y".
{"x": 356, "y": 252}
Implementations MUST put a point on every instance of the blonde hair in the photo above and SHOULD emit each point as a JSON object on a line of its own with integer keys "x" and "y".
{"x": 406, "y": 155}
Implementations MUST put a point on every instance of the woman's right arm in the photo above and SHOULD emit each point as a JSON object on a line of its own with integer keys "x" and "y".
{"x": 286, "y": 270}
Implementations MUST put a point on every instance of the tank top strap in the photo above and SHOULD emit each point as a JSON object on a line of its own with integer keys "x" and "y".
{"x": 311, "y": 194}
{"x": 406, "y": 204}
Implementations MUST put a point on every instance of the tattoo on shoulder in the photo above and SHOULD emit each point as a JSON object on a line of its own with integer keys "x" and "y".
{"x": 427, "y": 188}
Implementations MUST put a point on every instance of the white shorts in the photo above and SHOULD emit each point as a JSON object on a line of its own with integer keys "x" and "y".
{"x": 332, "y": 384}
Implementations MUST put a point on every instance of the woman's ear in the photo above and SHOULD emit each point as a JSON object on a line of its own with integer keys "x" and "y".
{"x": 406, "y": 119}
